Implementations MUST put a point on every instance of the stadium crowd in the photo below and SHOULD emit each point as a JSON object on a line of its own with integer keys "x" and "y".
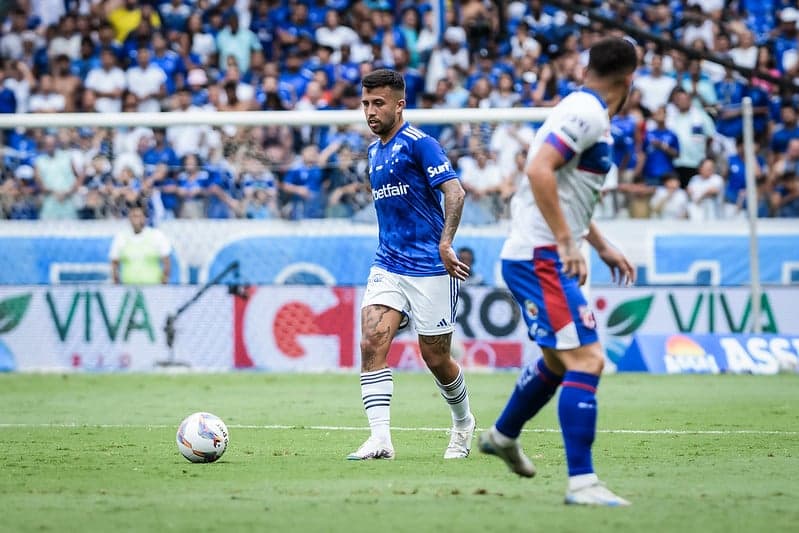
{"x": 676, "y": 144}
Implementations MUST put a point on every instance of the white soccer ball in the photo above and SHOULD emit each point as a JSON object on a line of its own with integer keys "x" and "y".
{"x": 202, "y": 438}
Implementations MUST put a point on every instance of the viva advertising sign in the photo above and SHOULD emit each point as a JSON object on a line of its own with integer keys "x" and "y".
{"x": 622, "y": 313}
{"x": 12, "y": 310}
{"x": 102, "y": 328}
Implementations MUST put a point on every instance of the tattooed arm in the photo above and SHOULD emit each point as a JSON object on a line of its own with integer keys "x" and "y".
{"x": 453, "y": 207}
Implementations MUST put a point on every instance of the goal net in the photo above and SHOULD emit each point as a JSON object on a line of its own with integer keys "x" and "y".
{"x": 205, "y": 177}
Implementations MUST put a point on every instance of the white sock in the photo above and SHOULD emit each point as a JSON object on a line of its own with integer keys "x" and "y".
{"x": 457, "y": 397}
{"x": 583, "y": 480}
{"x": 377, "y": 388}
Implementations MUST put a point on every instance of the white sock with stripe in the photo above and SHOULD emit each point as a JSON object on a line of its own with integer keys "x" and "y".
{"x": 377, "y": 388}
{"x": 457, "y": 397}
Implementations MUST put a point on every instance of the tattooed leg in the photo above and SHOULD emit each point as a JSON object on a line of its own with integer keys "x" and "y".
{"x": 379, "y": 324}
{"x": 436, "y": 354}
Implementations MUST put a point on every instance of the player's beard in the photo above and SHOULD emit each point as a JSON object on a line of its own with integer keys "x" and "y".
{"x": 381, "y": 128}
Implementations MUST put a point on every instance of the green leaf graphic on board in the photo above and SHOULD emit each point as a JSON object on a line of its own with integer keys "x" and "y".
{"x": 12, "y": 310}
{"x": 629, "y": 316}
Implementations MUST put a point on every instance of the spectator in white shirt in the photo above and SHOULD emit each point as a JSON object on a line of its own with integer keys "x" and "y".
{"x": 504, "y": 94}
{"x": 106, "y": 84}
{"x": 245, "y": 93}
{"x": 705, "y": 191}
{"x": 67, "y": 39}
{"x": 49, "y": 12}
{"x": 698, "y": 27}
{"x": 669, "y": 200}
{"x": 482, "y": 180}
{"x": 147, "y": 81}
{"x": 453, "y": 54}
{"x": 45, "y": 99}
{"x": 202, "y": 43}
{"x": 656, "y": 86}
{"x": 522, "y": 43}
{"x": 19, "y": 79}
{"x": 187, "y": 139}
{"x": 334, "y": 34}
{"x": 745, "y": 54}
{"x": 11, "y": 42}
{"x": 508, "y": 140}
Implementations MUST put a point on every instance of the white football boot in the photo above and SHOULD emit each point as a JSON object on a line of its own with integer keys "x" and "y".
{"x": 372, "y": 449}
{"x": 595, "y": 494}
{"x": 460, "y": 441}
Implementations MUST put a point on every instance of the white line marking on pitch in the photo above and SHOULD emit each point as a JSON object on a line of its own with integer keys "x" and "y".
{"x": 430, "y": 429}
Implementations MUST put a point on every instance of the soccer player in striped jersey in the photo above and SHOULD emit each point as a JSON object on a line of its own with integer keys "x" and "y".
{"x": 544, "y": 268}
{"x": 415, "y": 275}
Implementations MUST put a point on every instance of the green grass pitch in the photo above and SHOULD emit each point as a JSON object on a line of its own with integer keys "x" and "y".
{"x": 97, "y": 453}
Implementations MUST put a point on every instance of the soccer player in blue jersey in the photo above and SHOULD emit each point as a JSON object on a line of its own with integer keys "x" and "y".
{"x": 544, "y": 268}
{"x": 415, "y": 275}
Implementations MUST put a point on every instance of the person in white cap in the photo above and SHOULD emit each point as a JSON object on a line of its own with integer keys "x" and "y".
{"x": 453, "y": 54}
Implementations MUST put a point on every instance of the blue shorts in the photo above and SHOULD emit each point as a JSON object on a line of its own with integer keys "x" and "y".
{"x": 553, "y": 306}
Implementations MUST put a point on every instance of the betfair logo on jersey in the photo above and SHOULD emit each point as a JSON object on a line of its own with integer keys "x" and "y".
{"x": 388, "y": 190}
{"x": 432, "y": 171}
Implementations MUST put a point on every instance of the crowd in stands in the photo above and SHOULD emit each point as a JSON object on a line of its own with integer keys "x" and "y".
{"x": 677, "y": 150}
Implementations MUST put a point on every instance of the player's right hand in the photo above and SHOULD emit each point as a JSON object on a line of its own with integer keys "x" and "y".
{"x": 456, "y": 268}
{"x": 573, "y": 262}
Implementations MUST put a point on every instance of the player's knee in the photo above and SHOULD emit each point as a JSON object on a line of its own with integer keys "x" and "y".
{"x": 594, "y": 361}
{"x": 596, "y": 365}
{"x": 589, "y": 359}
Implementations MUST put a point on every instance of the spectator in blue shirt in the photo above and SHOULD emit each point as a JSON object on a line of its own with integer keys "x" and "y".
{"x": 170, "y": 62}
{"x": 735, "y": 189}
{"x": 262, "y": 25}
{"x": 785, "y": 198}
{"x": 288, "y": 32}
{"x": 8, "y": 100}
{"x": 174, "y": 15}
{"x": 347, "y": 70}
{"x": 87, "y": 59}
{"x": 292, "y": 81}
{"x": 321, "y": 60}
{"x": 304, "y": 185}
{"x": 23, "y": 151}
{"x": 730, "y": 92}
{"x": 414, "y": 82}
{"x": 316, "y": 12}
{"x": 161, "y": 153}
{"x": 107, "y": 40}
{"x": 659, "y": 149}
{"x": 222, "y": 191}
{"x": 788, "y": 131}
{"x": 167, "y": 187}
{"x": 624, "y": 130}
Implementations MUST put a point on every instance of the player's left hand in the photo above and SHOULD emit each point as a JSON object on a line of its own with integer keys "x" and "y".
{"x": 621, "y": 271}
{"x": 456, "y": 268}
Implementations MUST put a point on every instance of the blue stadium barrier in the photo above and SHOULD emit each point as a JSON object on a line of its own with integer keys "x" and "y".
{"x": 342, "y": 259}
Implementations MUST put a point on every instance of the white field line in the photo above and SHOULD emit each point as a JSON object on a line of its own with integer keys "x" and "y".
{"x": 422, "y": 429}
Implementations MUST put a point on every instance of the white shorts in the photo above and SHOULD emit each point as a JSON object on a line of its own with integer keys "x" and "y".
{"x": 430, "y": 302}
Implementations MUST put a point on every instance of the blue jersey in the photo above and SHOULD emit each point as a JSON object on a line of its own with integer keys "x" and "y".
{"x": 658, "y": 163}
{"x": 622, "y": 127}
{"x": 405, "y": 174}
